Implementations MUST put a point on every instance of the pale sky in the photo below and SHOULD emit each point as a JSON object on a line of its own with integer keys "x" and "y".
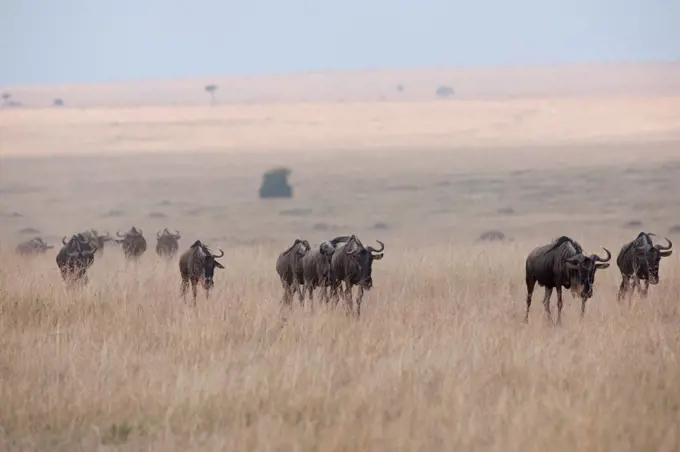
{"x": 54, "y": 41}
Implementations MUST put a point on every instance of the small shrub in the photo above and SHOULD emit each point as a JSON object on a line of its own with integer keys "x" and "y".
{"x": 491, "y": 236}
{"x": 296, "y": 212}
{"x": 275, "y": 184}
{"x": 675, "y": 229}
{"x": 157, "y": 215}
{"x": 444, "y": 91}
{"x": 28, "y": 231}
{"x": 633, "y": 224}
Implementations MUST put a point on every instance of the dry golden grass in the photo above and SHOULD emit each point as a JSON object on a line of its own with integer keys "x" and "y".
{"x": 440, "y": 359}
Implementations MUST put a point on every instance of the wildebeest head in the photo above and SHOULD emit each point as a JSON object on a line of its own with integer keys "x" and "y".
{"x": 97, "y": 239}
{"x": 300, "y": 246}
{"x": 34, "y": 246}
{"x": 209, "y": 263}
{"x": 166, "y": 233}
{"x": 133, "y": 232}
{"x": 79, "y": 246}
{"x": 364, "y": 257}
{"x": 649, "y": 255}
{"x": 583, "y": 269}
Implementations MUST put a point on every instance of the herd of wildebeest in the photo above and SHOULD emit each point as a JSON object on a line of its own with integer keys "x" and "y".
{"x": 303, "y": 268}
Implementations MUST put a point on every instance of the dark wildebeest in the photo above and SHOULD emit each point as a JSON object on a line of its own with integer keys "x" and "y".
{"x": 133, "y": 243}
{"x": 289, "y": 268}
{"x": 75, "y": 257}
{"x": 639, "y": 260}
{"x": 97, "y": 240}
{"x": 316, "y": 267}
{"x": 198, "y": 263}
{"x": 353, "y": 264}
{"x": 32, "y": 247}
{"x": 167, "y": 243}
{"x": 559, "y": 264}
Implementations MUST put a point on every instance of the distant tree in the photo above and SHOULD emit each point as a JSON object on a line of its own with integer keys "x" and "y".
{"x": 275, "y": 184}
{"x": 444, "y": 91}
{"x": 211, "y": 89}
{"x": 400, "y": 88}
{"x": 58, "y": 102}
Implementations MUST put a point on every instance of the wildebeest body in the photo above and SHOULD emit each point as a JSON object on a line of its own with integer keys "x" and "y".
{"x": 74, "y": 259}
{"x": 133, "y": 243}
{"x": 167, "y": 243}
{"x": 562, "y": 264}
{"x": 289, "y": 269}
{"x": 196, "y": 264}
{"x": 352, "y": 263}
{"x": 639, "y": 260}
{"x": 316, "y": 267}
{"x": 32, "y": 247}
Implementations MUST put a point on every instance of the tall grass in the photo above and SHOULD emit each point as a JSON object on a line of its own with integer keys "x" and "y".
{"x": 440, "y": 360}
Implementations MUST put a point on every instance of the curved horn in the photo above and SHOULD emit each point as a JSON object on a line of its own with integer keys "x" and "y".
{"x": 599, "y": 259}
{"x": 216, "y": 256}
{"x": 140, "y": 232}
{"x": 158, "y": 234}
{"x": 177, "y": 233}
{"x": 349, "y": 249}
{"x": 63, "y": 241}
{"x": 373, "y": 250}
{"x": 664, "y": 248}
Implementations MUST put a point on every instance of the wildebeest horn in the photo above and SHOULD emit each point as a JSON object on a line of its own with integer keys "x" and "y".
{"x": 373, "y": 250}
{"x": 177, "y": 232}
{"x": 599, "y": 259}
{"x": 340, "y": 239}
{"x": 216, "y": 256}
{"x": 664, "y": 248}
{"x": 158, "y": 234}
{"x": 63, "y": 241}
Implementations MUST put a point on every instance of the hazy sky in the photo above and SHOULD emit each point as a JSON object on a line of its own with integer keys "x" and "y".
{"x": 93, "y": 40}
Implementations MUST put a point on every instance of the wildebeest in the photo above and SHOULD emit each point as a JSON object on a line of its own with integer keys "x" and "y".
{"x": 97, "y": 240}
{"x": 289, "y": 268}
{"x": 559, "y": 264}
{"x": 75, "y": 257}
{"x": 316, "y": 267}
{"x": 196, "y": 264}
{"x": 33, "y": 246}
{"x": 133, "y": 243}
{"x": 167, "y": 243}
{"x": 639, "y": 260}
{"x": 353, "y": 264}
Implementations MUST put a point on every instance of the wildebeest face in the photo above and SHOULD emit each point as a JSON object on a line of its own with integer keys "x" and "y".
{"x": 209, "y": 271}
{"x": 648, "y": 259}
{"x": 364, "y": 257}
{"x": 585, "y": 268}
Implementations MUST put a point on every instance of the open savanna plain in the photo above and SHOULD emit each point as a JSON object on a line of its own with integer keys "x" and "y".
{"x": 440, "y": 358}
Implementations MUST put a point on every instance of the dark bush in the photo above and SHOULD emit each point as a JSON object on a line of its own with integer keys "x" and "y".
{"x": 444, "y": 91}
{"x": 275, "y": 184}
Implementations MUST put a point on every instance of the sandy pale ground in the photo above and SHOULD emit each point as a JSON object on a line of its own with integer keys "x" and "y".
{"x": 439, "y": 360}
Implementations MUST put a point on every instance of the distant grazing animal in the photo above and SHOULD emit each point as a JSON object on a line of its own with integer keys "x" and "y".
{"x": 196, "y": 264}
{"x": 289, "y": 268}
{"x": 559, "y": 264}
{"x": 74, "y": 258}
{"x": 97, "y": 240}
{"x": 316, "y": 267}
{"x": 133, "y": 243}
{"x": 639, "y": 260}
{"x": 353, "y": 264}
{"x": 167, "y": 243}
{"x": 32, "y": 247}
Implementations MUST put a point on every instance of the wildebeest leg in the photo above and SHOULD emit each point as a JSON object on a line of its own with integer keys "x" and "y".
{"x": 559, "y": 305}
{"x": 194, "y": 289}
{"x": 546, "y": 302}
{"x": 530, "y": 290}
{"x": 583, "y": 307}
{"x": 645, "y": 290}
{"x": 349, "y": 305}
{"x": 183, "y": 288}
{"x": 623, "y": 288}
{"x": 360, "y": 296}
